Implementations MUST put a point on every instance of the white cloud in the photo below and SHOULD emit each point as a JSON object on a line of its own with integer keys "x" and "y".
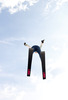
{"x": 55, "y": 48}
{"x": 9, "y": 41}
{"x": 46, "y": 89}
{"x": 4, "y": 42}
{"x": 54, "y": 89}
{"x": 59, "y": 3}
{"x": 48, "y": 6}
{"x": 61, "y": 62}
{"x": 53, "y": 5}
{"x": 31, "y": 2}
{"x": 33, "y": 79}
{"x": 16, "y": 5}
{"x": 11, "y": 93}
{"x": 15, "y": 39}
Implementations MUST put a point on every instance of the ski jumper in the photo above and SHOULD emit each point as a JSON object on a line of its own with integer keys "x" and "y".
{"x": 37, "y": 49}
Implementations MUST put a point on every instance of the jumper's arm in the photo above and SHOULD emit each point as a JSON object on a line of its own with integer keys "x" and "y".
{"x": 27, "y": 45}
{"x": 42, "y": 41}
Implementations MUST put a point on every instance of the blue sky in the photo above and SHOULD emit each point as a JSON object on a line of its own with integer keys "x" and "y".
{"x": 31, "y": 21}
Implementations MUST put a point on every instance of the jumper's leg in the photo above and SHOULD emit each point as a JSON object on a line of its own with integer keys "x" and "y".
{"x": 29, "y": 61}
{"x": 43, "y": 64}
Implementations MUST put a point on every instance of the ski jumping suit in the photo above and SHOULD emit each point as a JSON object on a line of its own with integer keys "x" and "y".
{"x": 37, "y": 49}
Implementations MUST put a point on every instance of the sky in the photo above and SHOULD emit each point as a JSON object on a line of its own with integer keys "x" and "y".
{"x": 31, "y": 21}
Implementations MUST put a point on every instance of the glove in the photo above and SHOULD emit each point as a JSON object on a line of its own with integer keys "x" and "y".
{"x": 42, "y": 41}
{"x": 24, "y": 43}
